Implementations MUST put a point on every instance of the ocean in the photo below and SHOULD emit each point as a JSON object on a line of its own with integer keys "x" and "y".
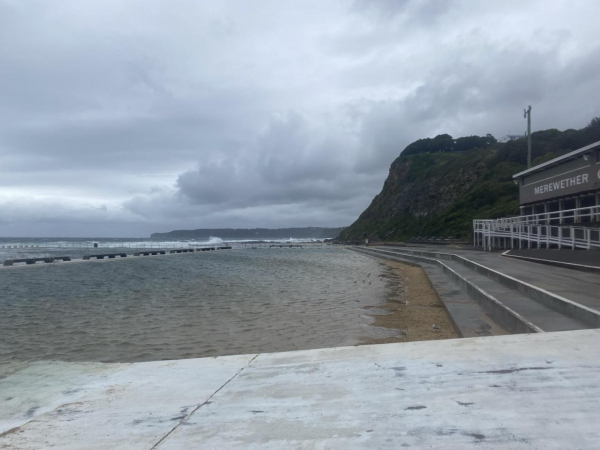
{"x": 188, "y": 305}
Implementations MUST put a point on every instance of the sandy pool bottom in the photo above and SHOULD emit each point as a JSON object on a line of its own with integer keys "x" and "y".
{"x": 412, "y": 307}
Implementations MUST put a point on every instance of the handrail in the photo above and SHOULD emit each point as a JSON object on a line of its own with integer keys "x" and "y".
{"x": 576, "y": 213}
{"x": 538, "y": 230}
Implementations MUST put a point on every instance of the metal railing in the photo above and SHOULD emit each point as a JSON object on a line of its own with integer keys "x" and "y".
{"x": 566, "y": 216}
{"x": 553, "y": 229}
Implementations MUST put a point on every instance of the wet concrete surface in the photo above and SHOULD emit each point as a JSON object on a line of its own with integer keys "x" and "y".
{"x": 516, "y": 391}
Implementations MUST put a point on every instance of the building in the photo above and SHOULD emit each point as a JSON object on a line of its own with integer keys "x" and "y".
{"x": 560, "y": 206}
{"x": 569, "y": 182}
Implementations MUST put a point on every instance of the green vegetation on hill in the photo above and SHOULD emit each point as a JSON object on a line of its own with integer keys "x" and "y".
{"x": 436, "y": 187}
{"x": 446, "y": 143}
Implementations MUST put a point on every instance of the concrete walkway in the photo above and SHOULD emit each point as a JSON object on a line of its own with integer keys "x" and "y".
{"x": 583, "y": 257}
{"x": 537, "y": 313}
{"x": 511, "y": 303}
{"x": 518, "y": 392}
{"x": 580, "y": 287}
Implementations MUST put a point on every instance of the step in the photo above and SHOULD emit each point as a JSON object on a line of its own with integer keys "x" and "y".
{"x": 469, "y": 318}
{"x": 538, "y": 314}
{"x": 501, "y": 313}
{"x": 573, "y": 294}
{"x": 535, "y": 312}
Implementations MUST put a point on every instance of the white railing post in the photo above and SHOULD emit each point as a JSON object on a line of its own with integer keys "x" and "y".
{"x": 559, "y": 237}
{"x": 572, "y": 239}
{"x": 588, "y": 238}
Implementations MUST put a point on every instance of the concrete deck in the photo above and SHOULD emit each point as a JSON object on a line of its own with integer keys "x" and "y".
{"x": 583, "y": 257}
{"x": 540, "y": 315}
{"x": 518, "y": 392}
{"x": 580, "y": 287}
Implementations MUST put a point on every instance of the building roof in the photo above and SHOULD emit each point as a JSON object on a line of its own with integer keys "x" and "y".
{"x": 556, "y": 161}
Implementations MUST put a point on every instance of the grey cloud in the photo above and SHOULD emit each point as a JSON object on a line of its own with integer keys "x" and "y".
{"x": 477, "y": 83}
{"x": 187, "y": 114}
{"x": 425, "y": 11}
{"x": 290, "y": 162}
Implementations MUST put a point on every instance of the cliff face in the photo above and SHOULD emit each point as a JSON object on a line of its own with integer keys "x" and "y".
{"x": 436, "y": 188}
{"x": 420, "y": 192}
{"x": 424, "y": 185}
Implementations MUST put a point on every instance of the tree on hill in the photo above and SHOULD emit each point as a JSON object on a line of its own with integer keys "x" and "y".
{"x": 548, "y": 144}
{"x": 446, "y": 143}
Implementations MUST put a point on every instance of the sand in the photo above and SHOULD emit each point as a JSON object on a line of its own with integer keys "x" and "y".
{"x": 412, "y": 307}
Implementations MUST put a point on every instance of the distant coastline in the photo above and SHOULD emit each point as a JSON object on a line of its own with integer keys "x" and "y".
{"x": 251, "y": 233}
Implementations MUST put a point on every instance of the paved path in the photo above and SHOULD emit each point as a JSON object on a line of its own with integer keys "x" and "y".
{"x": 518, "y": 392}
{"x": 531, "y": 313}
{"x": 584, "y": 257}
{"x": 580, "y": 287}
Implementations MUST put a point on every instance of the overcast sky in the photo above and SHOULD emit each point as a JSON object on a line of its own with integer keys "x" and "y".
{"x": 126, "y": 117}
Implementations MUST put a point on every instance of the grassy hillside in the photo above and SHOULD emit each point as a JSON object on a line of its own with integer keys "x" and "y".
{"x": 438, "y": 191}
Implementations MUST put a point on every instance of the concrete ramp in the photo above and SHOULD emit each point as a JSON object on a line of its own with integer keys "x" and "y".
{"x": 518, "y": 391}
{"x": 517, "y": 305}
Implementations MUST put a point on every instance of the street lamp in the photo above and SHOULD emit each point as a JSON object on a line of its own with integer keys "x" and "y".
{"x": 527, "y": 115}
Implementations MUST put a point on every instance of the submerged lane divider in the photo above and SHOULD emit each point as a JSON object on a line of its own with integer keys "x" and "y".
{"x": 157, "y": 252}
{"x": 120, "y": 255}
{"x": 10, "y": 262}
{"x": 105, "y": 255}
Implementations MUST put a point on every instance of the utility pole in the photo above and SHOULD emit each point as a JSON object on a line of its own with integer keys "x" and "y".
{"x": 527, "y": 115}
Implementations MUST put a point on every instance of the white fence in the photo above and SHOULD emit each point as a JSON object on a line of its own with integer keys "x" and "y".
{"x": 555, "y": 229}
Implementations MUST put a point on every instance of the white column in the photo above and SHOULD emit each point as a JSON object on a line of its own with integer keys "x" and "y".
{"x": 559, "y": 238}
{"x": 520, "y": 231}
{"x": 588, "y": 237}
{"x": 561, "y": 204}
{"x": 512, "y": 239}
